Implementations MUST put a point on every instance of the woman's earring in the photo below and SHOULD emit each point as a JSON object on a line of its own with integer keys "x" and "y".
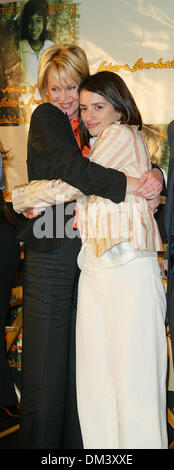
{"x": 118, "y": 116}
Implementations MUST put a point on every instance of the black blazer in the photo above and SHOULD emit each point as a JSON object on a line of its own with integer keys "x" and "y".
{"x": 169, "y": 206}
{"x": 53, "y": 153}
{"x": 169, "y": 224}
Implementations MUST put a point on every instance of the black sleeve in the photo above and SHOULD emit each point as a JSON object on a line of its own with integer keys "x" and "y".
{"x": 53, "y": 153}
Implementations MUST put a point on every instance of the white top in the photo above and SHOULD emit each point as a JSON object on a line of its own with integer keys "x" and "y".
{"x": 116, "y": 256}
{"x": 30, "y": 61}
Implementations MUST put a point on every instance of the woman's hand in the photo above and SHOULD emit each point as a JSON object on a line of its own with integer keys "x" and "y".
{"x": 154, "y": 203}
{"x": 164, "y": 268}
{"x": 32, "y": 213}
{"x": 150, "y": 184}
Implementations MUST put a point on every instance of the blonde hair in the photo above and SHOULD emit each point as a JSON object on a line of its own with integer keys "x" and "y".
{"x": 62, "y": 59}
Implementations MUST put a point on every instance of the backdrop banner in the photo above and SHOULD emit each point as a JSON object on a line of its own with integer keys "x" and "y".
{"x": 134, "y": 39}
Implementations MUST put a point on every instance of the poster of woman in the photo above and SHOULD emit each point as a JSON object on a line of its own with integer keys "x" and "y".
{"x": 134, "y": 39}
{"x": 27, "y": 29}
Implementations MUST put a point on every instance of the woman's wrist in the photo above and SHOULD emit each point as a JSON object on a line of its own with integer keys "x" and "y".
{"x": 132, "y": 184}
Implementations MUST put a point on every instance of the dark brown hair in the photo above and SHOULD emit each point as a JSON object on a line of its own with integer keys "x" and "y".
{"x": 113, "y": 88}
{"x": 31, "y": 8}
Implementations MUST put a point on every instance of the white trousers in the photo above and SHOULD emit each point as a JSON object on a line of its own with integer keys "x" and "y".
{"x": 122, "y": 356}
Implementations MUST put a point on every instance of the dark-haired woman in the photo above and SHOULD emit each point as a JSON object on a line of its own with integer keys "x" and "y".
{"x": 34, "y": 38}
{"x": 121, "y": 339}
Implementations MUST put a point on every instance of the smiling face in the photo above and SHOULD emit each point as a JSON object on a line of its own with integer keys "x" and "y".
{"x": 64, "y": 94}
{"x": 96, "y": 112}
{"x": 35, "y": 26}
